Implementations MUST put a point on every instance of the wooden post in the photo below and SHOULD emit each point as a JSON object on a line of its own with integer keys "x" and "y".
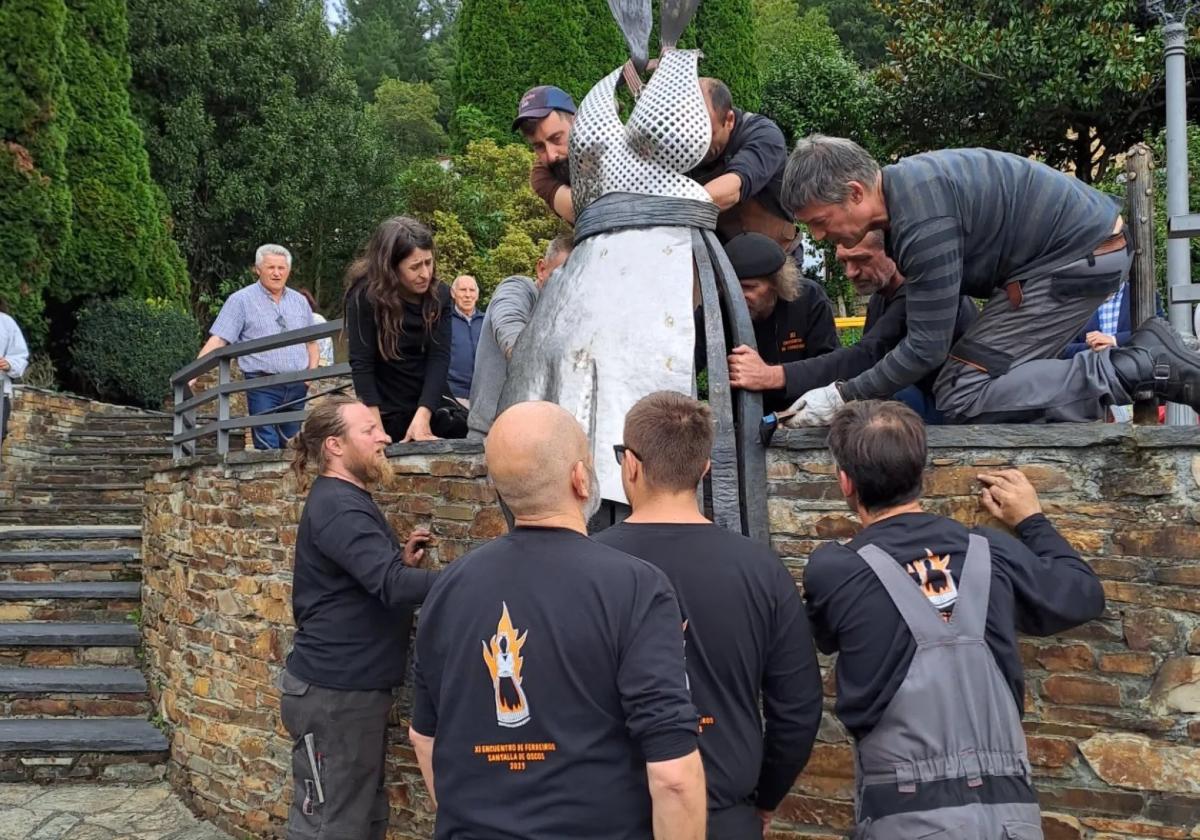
{"x": 1139, "y": 192}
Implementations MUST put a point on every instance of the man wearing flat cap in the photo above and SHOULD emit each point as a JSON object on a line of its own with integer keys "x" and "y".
{"x": 544, "y": 118}
{"x": 792, "y": 317}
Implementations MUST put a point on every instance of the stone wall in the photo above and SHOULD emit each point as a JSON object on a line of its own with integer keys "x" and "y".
{"x": 1113, "y": 708}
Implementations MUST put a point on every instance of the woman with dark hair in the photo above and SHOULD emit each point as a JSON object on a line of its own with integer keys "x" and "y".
{"x": 398, "y": 328}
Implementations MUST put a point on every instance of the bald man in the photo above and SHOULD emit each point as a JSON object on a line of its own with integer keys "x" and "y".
{"x": 550, "y": 690}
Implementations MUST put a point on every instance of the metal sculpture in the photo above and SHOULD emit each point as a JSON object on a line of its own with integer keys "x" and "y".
{"x": 617, "y": 322}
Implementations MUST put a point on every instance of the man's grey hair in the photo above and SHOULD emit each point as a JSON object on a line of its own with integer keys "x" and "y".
{"x": 274, "y": 250}
{"x": 820, "y": 170}
{"x": 558, "y": 246}
{"x": 470, "y": 277}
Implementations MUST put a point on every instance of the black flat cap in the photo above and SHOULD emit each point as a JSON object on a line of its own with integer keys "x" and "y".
{"x": 754, "y": 255}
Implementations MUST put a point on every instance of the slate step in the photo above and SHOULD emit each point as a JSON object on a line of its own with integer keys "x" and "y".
{"x": 72, "y": 533}
{"x": 47, "y": 514}
{"x": 70, "y": 565}
{"x": 55, "y": 644}
{"x": 84, "y": 735}
{"x": 80, "y": 486}
{"x": 71, "y": 601}
{"x": 72, "y": 681}
{"x": 68, "y": 634}
{"x": 117, "y": 452}
{"x": 102, "y": 434}
{"x": 86, "y": 590}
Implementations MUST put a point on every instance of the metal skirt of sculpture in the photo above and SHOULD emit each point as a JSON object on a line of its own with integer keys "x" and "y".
{"x": 617, "y": 321}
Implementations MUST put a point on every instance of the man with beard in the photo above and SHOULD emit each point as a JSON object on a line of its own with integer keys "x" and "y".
{"x": 743, "y": 170}
{"x": 353, "y": 593}
{"x": 550, "y": 696}
{"x": 792, "y": 317}
{"x": 872, "y": 272}
{"x": 544, "y": 118}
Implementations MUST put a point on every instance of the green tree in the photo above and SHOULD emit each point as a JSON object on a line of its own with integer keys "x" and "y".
{"x": 861, "y": 27}
{"x": 1074, "y": 82}
{"x": 407, "y": 114}
{"x": 506, "y": 47}
{"x": 394, "y": 39}
{"x": 35, "y": 116}
{"x": 724, "y": 30}
{"x": 810, "y": 84}
{"x": 120, "y": 240}
{"x": 257, "y": 133}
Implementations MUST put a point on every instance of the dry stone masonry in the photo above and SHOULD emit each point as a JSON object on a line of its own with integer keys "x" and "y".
{"x": 1112, "y": 708}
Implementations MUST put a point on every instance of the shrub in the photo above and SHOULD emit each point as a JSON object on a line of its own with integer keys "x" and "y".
{"x": 126, "y": 349}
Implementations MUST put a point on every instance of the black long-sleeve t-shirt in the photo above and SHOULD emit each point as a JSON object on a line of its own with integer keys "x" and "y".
{"x": 1040, "y": 586}
{"x": 747, "y": 638}
{"x": 352, "y": 595}
{"x": 549, "y": 670}
{"x": 795, "y": 330}
{"x": 416, "y": 378}
{"x": 886, "y": 325}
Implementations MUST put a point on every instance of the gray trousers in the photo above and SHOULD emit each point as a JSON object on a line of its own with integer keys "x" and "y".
{"x": 1006, "y": 368}
{"x": 349, "y": 730}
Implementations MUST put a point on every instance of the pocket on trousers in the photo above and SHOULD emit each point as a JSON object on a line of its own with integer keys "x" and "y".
{"x": 975, "y": 354}
{"x": 292, "y": 685}
{"x": 959, "y": 832}
{"x": 1084, "y": 282}
{"x": 1022, "y": 831}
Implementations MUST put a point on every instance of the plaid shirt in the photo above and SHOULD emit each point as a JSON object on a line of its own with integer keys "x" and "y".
{"x": 252, "y": 313}
{"x": 1109, "y": 313}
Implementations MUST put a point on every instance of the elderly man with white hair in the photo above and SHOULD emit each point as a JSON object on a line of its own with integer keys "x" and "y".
{"x": 261, "y": 310}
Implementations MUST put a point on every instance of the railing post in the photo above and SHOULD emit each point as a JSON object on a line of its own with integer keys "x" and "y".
{"x": 1139, "y": 192}
{"x": 177, "y": 422}
{"x": 223, "y": 409}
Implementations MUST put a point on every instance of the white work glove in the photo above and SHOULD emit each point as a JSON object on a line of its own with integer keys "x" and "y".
{"x": 815, "y": 408}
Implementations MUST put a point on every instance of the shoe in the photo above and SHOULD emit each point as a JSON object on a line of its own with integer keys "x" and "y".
{"x": 1157, "y": 361}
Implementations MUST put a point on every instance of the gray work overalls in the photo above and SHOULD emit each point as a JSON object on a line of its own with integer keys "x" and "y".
{"x": 947, "y": 761}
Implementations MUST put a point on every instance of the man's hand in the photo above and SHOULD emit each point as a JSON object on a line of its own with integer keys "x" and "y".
{"x": 1008, "y": 496}
{"x": 748, "y": 371}
{"x": 815, "y": 408}
{"x": 414, "y": 547}
{"x": 765, "y": 818}
{"x": 4, "y": 364}
{"x": 1100, "y": 341}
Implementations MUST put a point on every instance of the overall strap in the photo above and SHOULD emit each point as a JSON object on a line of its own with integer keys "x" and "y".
{"x": 974, "y": 590}
{"x": 923, "y": 619}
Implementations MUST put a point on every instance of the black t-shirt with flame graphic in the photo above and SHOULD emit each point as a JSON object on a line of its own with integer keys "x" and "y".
{"x": 1040, "y": 586}
{"x": 549, "y": 671}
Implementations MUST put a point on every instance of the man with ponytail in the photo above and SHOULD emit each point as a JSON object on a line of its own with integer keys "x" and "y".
{"x": 354, "y": 589}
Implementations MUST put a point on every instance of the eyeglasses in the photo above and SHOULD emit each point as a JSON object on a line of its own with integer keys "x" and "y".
{"x": 619, "y": 449}
{"x": 279, "y": 320}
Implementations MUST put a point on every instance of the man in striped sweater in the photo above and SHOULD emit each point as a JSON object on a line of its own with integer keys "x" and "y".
{"x": 1041, "y": 247}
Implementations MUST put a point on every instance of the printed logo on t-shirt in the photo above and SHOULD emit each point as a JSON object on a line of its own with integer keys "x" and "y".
{"x": 933, "y": 575}
{"x": 792, "y": 342}
{"x": 502, "y": 655}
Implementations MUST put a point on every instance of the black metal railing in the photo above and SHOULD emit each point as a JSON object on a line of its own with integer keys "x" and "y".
{"x": 189, "y": 428}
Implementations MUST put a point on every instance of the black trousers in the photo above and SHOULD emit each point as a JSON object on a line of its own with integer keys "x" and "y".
{"x": 349, "y": 744}
{"x": 4, "y": 418}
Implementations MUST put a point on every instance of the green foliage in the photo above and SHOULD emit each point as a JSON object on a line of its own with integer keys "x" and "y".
{"x": 506, "y": 47}
{"x": 1074, "y": 82}
{"x": 486, "y": 219}
{"x": 863, "y": 30}
{"x": 137, "y": 372}
{"x": 35, "y": 116}
{"x": 809, "y": 83}
{"x": 724, "y": 30}
{"x": 120, "y": 242}
{"x": 257, "y": 134}
{"x": 407, "y": 115}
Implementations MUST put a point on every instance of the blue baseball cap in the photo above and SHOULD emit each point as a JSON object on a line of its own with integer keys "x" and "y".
{"x": 540, "y": 101}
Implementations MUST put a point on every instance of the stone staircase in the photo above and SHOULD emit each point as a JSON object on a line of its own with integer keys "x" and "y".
{"x": 74, "y": 703}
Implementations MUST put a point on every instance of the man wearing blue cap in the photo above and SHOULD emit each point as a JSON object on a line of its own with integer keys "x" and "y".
{"x": 544, "y": 118}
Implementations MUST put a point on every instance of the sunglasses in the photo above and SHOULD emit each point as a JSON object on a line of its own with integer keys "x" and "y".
{"x": 282, "y": 323}
{"x": 619, "y": 450}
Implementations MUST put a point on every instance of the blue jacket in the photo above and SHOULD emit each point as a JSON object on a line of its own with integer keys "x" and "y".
{"x": 1124, "y": 325}
{"x": 463, "y": 341}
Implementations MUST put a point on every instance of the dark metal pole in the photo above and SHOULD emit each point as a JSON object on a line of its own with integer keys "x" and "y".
{"x": 1139, "y": 192}
{"x": 1179, "y": 274}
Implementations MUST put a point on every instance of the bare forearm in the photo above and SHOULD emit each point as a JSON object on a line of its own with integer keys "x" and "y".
{"x": 423, "y": 747}
{"x": 314, "y": 355}
{"x": 564, "y": 204}
{"x": 215, "y": 342}
{"x": 726, "y": 190}
{"x": 678, "y": 799}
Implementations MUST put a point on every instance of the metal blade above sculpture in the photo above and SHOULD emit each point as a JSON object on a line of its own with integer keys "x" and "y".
{"x": 617, "y": 320}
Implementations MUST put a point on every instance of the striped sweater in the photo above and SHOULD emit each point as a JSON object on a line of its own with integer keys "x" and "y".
{"x": 965, "y": 222}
